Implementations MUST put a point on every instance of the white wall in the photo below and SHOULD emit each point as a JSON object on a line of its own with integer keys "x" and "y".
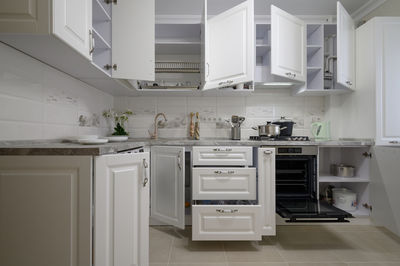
{"x": 257, "y": 109}
{"x": 40, "y": 102}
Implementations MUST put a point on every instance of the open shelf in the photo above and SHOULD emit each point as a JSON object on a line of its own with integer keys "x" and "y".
{"x": 99, "y": 41}
{"x": 101, "y": 11}
{"x": 263, "y": 34}
{"x": 262, "y": 49}
{"x": 326, "y": 178}
{"x": 315, "y": 34}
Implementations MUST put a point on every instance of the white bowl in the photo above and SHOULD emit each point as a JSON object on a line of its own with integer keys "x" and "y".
{"x": 117, "y": 138}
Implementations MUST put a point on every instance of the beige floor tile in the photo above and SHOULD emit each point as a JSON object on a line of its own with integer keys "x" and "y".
{"x": 317, "y": 264}
{"x": 248, "y": 251}
{"x": 198, "y": 264}
{"x": 373, "y": 264}
{"x": 257, "y": 264}
{"x": 186, "y": 251}
{"x": 160, "y": 247}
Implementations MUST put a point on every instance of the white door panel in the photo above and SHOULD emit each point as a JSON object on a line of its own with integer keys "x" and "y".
{"x": 388, "y": 80}
{"x": 230, "y": 47}
{"x": 168, "y": 185}
{"x": 266, "y": 188}
{"x": 345, "y": 48}
{"x": 72, "y": 21}
{"x": 133, "y": 36}
{"x": 121, "y": 210}
{"x": 288, "y": 45}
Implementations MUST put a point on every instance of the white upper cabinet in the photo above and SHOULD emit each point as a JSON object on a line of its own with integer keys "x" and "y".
{"x": 229, "y": 46}
{"x": 121, "y": 215}
{"x": 168, "y": 185}
{"x": 345, "y": 48}
{"x": 288, "y": 45}
{"x": 387, "y": 60}
{"x": 133, "y": 34}
{"x": 24, "y": 16}
{"x": 72, "y": 22}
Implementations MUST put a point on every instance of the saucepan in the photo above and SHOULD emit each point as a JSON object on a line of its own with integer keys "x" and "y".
{"x": 269, "y": 130}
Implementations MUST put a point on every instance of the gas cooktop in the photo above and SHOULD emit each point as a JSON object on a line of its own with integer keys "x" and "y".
{"x": 281, "y": 138}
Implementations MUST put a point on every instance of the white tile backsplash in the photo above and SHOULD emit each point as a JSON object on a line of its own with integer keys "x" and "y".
{"x": 40, "y": 102}
{"x": 257, "y": 108}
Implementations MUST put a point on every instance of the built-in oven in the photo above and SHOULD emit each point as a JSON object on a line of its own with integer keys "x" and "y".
{"x": 297, "y": 187}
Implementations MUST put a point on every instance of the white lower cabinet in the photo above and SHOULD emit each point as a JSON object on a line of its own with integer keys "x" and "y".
{"x": 226, "y": 203}
{"x": 226, "y": 184}
{"x": 121, "y": 227}
{"x": 226, "y": 222}
{"x": 74, "y": 210}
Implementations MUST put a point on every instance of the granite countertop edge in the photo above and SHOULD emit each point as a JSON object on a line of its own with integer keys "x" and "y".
{"x": 58, "y": 147}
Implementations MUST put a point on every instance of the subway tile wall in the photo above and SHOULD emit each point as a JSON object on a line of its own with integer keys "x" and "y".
{"x": 256, "y": 108}
{"x": 40, "y": 102}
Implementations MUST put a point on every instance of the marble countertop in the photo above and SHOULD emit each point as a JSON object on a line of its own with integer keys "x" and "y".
{"x": 57, "y": 147}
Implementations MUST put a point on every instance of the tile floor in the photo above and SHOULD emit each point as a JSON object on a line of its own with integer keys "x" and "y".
{"x": 330, "y": 245}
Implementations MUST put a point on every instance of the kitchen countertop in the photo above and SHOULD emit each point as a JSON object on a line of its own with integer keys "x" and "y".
{"x": 57, "y": 147}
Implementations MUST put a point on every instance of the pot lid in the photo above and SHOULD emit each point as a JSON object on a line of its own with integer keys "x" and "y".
{"x": 284, "y": 119}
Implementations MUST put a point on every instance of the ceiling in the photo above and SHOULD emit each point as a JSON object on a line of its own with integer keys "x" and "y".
{"x": 262, "y": 7}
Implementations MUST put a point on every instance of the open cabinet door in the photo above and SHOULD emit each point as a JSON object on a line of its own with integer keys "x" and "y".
{"x": 132, "y": 53}
{"x": 121, "y": 210}
{"x": 168, "y": 185}
{"x": 229, "y": 47}
{"x": 345, "y": 48}
{"x": 288, "y": 45}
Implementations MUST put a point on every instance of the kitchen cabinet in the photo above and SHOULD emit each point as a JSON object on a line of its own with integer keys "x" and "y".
{"x": 84, "y": 39}
{"x": 121, "y": 218}
{"x": 330, "y": 57}
{"x": 228, "y": 46}
{"x": 266, "y": 190}
{"x": 80, "y": 210}
{"x": 281, "y": 51}
{"x": 168, "y": 185}
{"x": 378, "y": 61}
{"x": 72, "y": 23}
{"x": 46, "y": 210}
{"x": 288, "y": 45}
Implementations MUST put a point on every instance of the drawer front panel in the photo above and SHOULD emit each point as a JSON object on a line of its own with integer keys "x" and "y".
{"x": 211, "y": 155}
{"x": 226, "y": 222}
{"x": 224, "y": 184}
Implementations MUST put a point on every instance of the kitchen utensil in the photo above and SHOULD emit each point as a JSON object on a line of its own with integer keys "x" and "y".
{"x": 235, "y": 132}
{"x": 241, "y": 120}
{"x": 92, "y": 141}
{"x": 191, "y": 128}
{"x": 320, "y": 130}
{"x": 197, "y": 127}
{"x": 343, "y": 170}
{"x": 117, "y": 138}
{"x": 269, "y": 130}
{"x": 283, "y": 122}
{"x": 344, "y": 199}
{"x": 235, "y": 119}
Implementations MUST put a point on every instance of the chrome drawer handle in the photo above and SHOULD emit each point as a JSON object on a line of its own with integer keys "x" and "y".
{"x": 146, "y": 179}
{"x": 268, "y": 152}
{"x": 394, "y": 142}
{"x": 227, "y": 211}
{"x": 218, "y": 149}
{"x": 224, "y": 172}
{"x": 225, "y": 82}
{"x": 349, "y": 83}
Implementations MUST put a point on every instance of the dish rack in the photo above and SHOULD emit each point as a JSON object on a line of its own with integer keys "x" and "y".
{"x": 177, "y": 67}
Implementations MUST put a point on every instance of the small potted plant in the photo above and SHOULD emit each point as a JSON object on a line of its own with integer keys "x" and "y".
{"x": 119, "y": 119}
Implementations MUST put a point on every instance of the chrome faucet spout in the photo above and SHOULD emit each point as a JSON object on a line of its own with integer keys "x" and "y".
{"x": 155, "y": 133}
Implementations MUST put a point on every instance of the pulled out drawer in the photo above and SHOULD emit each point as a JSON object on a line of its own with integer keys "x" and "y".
{"x": 226, "y": 222}
{"x": 224, "y": 156}
{"x": 224, "y": 184}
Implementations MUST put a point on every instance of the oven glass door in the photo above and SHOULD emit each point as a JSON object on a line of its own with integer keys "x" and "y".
{"x": 307, "y": 208}
{"x": 296, "y": 191}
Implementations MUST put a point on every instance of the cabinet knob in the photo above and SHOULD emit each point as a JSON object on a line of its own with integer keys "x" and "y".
{"x": 349, "y": 83}
{"x": 268, "y": 152}
{"x": 394, "y": 142}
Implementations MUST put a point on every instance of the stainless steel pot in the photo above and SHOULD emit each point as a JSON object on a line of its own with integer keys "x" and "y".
{"x": 343, "y": 170}
{"x": 269, "y": 130}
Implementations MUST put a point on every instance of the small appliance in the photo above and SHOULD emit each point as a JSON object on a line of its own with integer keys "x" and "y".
{"x": 321, "y": 130}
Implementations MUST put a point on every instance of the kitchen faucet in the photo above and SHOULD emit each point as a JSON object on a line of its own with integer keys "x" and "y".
{"x": 155, "y": 133}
